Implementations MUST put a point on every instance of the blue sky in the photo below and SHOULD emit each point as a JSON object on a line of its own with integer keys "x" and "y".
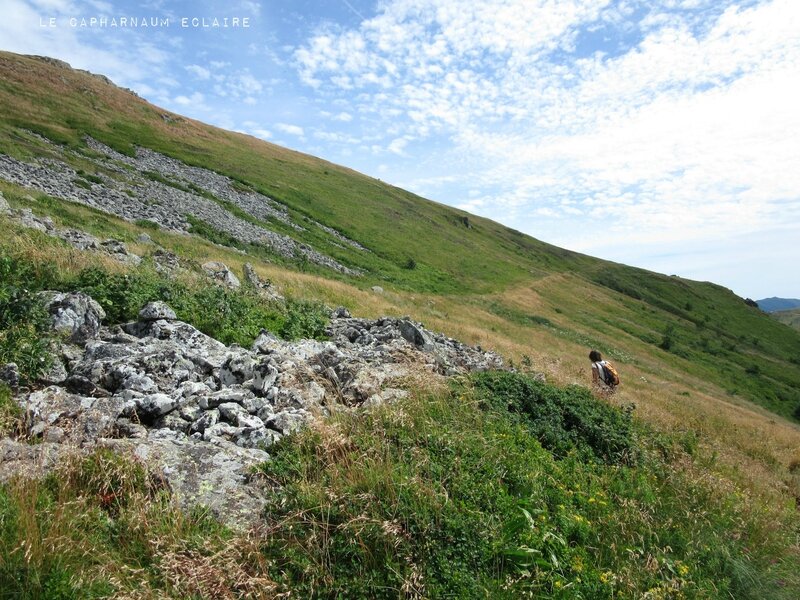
{"x": 662, "y": 134}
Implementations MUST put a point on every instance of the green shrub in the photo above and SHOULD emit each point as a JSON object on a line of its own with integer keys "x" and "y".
{"x": 231, "y": 316}
{"x": 562, "y": 419}
{"x": 452, "y": 497}
{"x": 668, "y": 339}
{"x": 147, "y": 224}
{"x": 304, "y": 320}
{"x": 10, "y": 413}
{"x": 121, "y": 295}
{"x": 82, "y": 183}
{"x": 24, "y": 324}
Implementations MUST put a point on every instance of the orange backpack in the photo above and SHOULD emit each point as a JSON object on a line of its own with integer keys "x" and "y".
{"x": 609, "y": 373}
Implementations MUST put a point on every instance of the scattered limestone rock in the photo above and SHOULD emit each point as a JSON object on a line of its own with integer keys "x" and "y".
{"x": 74, "y": 237}
{"x": 155, "y": 311}
{"x": 262, "y": 286}
{"x": 76, "y": 315}
{"x": 136, "y": 196}
{"x": 26, "y": 218}
{"x": 5, "y": 209}
{"x": 166, "y": 262}
{"x": 220, "y": 272}
{"x": 340, "y": 313}
{"x": 120, "y": 252}
{"x": 79, "y": 239}
{"x": 415, "y": 334}
{"x": 155, "y": 405}
{"x": 9, "y": 374}
{"x": 215, "y": 475}
{"x": 205, "y": 413}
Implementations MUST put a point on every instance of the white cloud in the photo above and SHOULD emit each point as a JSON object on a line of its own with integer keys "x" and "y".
{"x": 690, "y": 131}
{"x": 195, "y": 99}
{"x": 262, "y": 133}
{"x": 290, "y": 129}
{"x": 397, "y": 146}
{"x": 250, "y": 6}
{"x": 199, "y": 72}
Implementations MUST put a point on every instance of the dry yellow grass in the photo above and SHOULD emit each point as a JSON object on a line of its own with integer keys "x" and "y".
{"x": 751, "y": 445}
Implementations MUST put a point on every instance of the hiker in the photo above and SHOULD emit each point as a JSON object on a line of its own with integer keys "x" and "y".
{"x": 604, "y": 375}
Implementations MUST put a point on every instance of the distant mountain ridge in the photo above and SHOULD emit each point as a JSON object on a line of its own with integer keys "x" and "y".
{"x": 775, "y": 304}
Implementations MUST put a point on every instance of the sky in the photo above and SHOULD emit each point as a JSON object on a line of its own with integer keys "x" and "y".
{"x": 663, "y": 134}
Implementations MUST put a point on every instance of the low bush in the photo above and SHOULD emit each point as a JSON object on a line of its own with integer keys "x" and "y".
{"x": 10, "y": 413}
{"x": 562, "y": 419}
{"x": 452, "y": 497}
{"x": 147, "y": 224}
{"x": 24, "y": 325}
{"x": 231, "y": 316}
{"x": 304, "y": 320}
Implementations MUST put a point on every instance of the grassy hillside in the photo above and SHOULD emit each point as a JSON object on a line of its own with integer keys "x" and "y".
{"x": 709, "y": 511}
{"x": 455, "y": 252}
{"x": 788, "y": 317}
{"x": 699, "y": 328}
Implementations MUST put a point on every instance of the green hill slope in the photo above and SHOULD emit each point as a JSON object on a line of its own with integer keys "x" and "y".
{"x": 639, "y": 317}
{"x": 788, "y": 317}
{"x": 454, "y": 251}
{"x": 682, "y": 484}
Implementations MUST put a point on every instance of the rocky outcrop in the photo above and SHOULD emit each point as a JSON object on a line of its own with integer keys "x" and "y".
{"x": 75, "y": 315}
{"x": 204, "y": 413}
{"x": 263, "y": 286}
{"x": 220, "y": 273}
{"x": 160, "y": 189}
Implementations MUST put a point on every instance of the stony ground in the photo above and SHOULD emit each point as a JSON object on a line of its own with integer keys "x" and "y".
{"x": 200, "y": 413}
{"x": 134, "y": 188}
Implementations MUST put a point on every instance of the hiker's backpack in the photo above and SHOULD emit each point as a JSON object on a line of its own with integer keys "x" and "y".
{"x": 610, "y": 375}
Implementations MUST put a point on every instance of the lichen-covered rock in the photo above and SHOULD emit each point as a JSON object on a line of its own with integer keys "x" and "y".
{"x": 79, "y": 239}
{"x": 156, "y": 310}
{"x": 194, "y": 406}
{"x": 26, "y": 218}
{"x": 119, "y": 251}
{"x": 263, "y": 286}
{"x": 9, "y": 374}
{"x": 75, "y": 315}
{"x": 215, "y": 475}
{"x": 266, "y": 343}
{"x": 155, "y": 405}
{"x": 220, "y": 272}
{"x": 415, "y": 334}
{"x": 166, "y": 262}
